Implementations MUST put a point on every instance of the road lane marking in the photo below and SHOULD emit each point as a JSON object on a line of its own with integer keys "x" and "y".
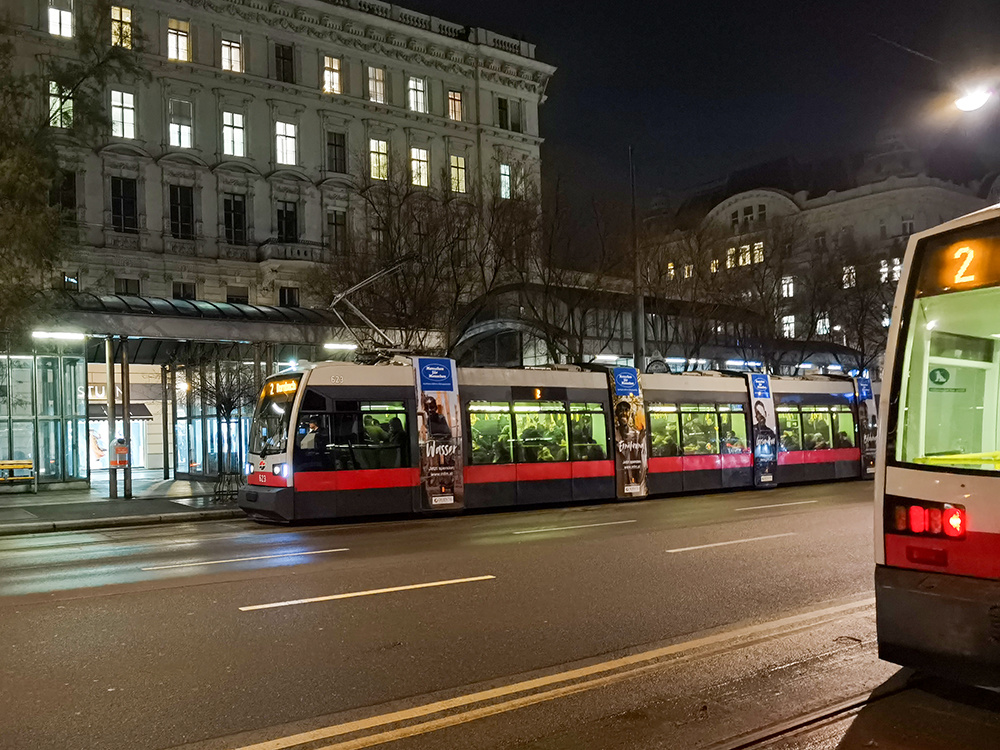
{"x": 371, "y": 592}
{"x": 734, "y": 541}
{"x": 601, "y": 670}
{"x": 581, "y": 526}
{"x": 244, "y": 559}
{"x": 778, "y": 505}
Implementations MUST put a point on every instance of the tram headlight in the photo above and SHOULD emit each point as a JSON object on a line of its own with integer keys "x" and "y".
{"x": 248, "y": 468}
{"x": 280, "y": 470}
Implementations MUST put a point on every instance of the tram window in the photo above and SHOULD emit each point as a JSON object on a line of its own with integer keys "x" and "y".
{"x": 588, "y": 432}
{"x": 816, "y": 428}
{"x": 366, "y": 435}
{"x": 269, "y": 431}
{"x": 699, "y": 430}
{"x": 843, "y": 427}
{"x": 541, "y": 435}
{"x": 664, "y": 430}
{"x": 790, "y": 428}
{"x": 490, "y": 432}
{"x": 733, "y": 428}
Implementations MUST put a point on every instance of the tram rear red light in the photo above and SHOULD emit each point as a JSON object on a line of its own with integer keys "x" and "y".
{"x": 934, "y": 520}
{"x": 899, "y": 514}
{"x": 924, "y": 518}
{"x": 918, "y": 519}
{"x": 954, "y": 522}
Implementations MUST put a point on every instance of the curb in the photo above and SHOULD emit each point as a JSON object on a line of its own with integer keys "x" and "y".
{"x": 37, "y": 527}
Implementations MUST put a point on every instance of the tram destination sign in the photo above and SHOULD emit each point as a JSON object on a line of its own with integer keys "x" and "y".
{"x": 955, "y": 263}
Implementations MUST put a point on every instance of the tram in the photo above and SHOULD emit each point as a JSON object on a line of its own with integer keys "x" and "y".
{"x": 417, "y": 434}
{"x": 937, "y": 521}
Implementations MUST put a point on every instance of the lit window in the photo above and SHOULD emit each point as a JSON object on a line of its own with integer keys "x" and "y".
{"x": 731, "y": 255}
{"x": 850, "y": 277}
{"x": 232, "y": 53}
{"x": 285, "y": 142}
{"x": 670, "y": 272}
{"x": 897, "y": 268}
{"x": 883, "y": 270}
{"x": 455, "y": 106}
{"x": 457, "y": 174}
{"x": 505, "y": 181}
{"x": 758, "y": 252}
{"x": 177, "y": 40}
{"x": 788, "y": 326}
{"x": 379, "y": 153}
{"x": 416, "y": 95}
{"x": 420, "y": 167}
{"x": 376, "y": 85}
{"x": 688, "y": 270}
{"x": 331, "y": 75}
{"x": 744, "y": 255}
{"x": 714, "y": 265}
{"x": 180, "y": 123}
{"x": 122, "y": 114}
{"x": 787, "y": 287}
{"x": 233, "y": 143}
{"x": 60, "y": 107}
{"x": 823, "y": 325}
{"x": 61, "y": 17}
{"x": 121, "y": 27}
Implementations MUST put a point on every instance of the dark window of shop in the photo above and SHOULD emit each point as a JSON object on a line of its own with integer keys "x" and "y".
{"x": 234, "y": 215}
{"x": 540, "y": 431}
{"x": 238, "y": 295}
{"x": 336, "y": 152}
{"x": 588, "y": 432}
{"x": 124, "y": 208}
{"x": 288, "y": 296}
{"x": 283, "y": 67}
{"x": 288, "y": 222}
{"x": 127, "y": 286}
{"x": 336, "y": 231}
{"x": 182, "y": 212}
{"x": 185, "y": 290}
{"x": 345, "y": 435}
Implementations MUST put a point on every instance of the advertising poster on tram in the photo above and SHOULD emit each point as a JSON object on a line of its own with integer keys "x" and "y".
{"x": 764, "y": 429}
{"x": 630, "y": 432}
{"x": 439, "y": 425}
{"x": 867, "y": 424}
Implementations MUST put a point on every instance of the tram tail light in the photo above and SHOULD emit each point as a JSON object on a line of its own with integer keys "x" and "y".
{"x": 925, "y": 519}
{"x": 954, "y": 522}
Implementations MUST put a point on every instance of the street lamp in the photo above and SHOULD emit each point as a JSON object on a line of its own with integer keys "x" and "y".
{"x": 973, "y": 100}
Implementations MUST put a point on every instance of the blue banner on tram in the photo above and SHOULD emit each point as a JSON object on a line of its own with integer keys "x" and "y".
{"x": 764, "y": 429}
{"x": 630, "y": 432}
{"x": 867, "y": 424}
{"x": 439, "y": 420}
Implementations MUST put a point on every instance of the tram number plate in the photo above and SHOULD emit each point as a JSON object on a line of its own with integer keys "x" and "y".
{"x": 443, "y": 500}
{"x": 767, "y": 477}
{"x": 632, "y": 489}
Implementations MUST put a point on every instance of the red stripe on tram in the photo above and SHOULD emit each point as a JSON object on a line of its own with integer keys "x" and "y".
{"x": 541, "y": 472}
{"x": 665, "y": 464}
{"x": 588, "y": 469}
{"x": 360, "y": 479}
{"x": 702, "y": 463}
{"x": 494, "y": 473}
{"x": 490, "y": 473}
{"x": 977, "y": 555}
{"x": 737, "y": 460}
{"x": 822, "y": 456}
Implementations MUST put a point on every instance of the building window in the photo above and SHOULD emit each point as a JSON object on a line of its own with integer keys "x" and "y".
{"x": 232, "y": 53}
{"x": 734, "y": 220}
{"x": 457, "y": 174}
{"x": 121, "y": 27}
{"x": 124, "y": 207}
{"x": 376, "y": 84}
{"x": 336, "y": 152}
{"x": 288, "y": 221}
{"x": 897, "y": 268}
{"x": 331, "y": 75}
{"x": 745, "y": 255}
{"x": 182, "y": 212}
{"x": 731, "y": 257}
{"x": 177, "y": 40}
{"x": 688, "y": 270}
{"x": 758, "y": 252}
{"x": 288, "y": 296}
{"x": 907, "y": 225}
{"x": 850, "y": 277}
{"x": 714, "y": 265}
{"x": 455, "y": 106}
{"x": 379, "y": 153}
{"x": 505, "y": 181}
{"x": 788, "y": 326}
{"x": 185, "y": 290}
{"x": 234, "y": 217}
{"x": 761, "y": 212}
{"x": 503, "y": 113}
{"x": 238, "y": 295}
{"x": 823, "y": 325}
{"x": 420, "y": 167}
{"x": 819, "y": 241}
{"x": 130, "y": 287}
{"x": 417, "y": 95}
{"x": 883, "y": 270}
{"x": 787, "y": 287}
{"x": 284, "y": 67}
{"x": 671, "y": 274}
{"x": 883, "y": 232}
{"x": 233, "y": 143}
{"x": 284, "y": 142}
{"x": 747, "y": 216}
{"x": 61, "y": 17}
{"x": 64, "y": 192}
{"x": 180, "y": 123}
{"x": 122, "y": 114}
{"x": 60, "y": 107}
{"x": 336, "y": 231}
{"x": 71, "y": 282}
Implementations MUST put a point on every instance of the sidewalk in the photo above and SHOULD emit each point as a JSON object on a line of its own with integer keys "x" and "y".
{"x": 155, "y": 500}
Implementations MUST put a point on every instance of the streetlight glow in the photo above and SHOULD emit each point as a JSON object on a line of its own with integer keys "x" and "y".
{"x": 973, "y": 100}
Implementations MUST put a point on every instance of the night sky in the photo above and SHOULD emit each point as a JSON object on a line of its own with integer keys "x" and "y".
{"x": 700, "y": 88}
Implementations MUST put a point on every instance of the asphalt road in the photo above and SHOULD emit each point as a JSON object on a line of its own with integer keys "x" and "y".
{"x": 155, "y": 637}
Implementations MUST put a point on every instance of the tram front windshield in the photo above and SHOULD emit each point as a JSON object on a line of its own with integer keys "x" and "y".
{"x": 948, "y": 407}
{"x": 269, "y": 433}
